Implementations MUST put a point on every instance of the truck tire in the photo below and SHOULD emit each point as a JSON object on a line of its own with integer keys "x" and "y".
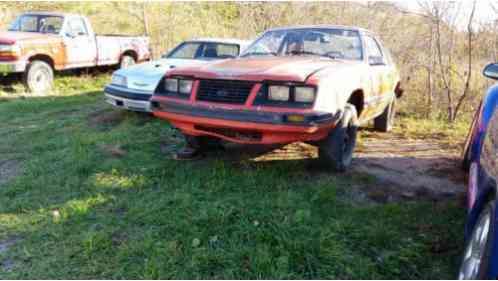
{"x": 336, "y": 150}
{"x": 385, "y": 121}
{"x": 126, "y": 61}
{"x": 38, "y": 77}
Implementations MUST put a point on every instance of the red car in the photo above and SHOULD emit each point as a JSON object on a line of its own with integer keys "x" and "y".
{"x": 313, "y": 84}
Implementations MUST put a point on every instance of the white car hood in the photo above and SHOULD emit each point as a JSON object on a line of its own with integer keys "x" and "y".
{"x": 146, "y": 76}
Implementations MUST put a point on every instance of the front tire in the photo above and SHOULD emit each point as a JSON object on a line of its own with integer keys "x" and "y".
{"x": 478, "y": 247}
{"x": 385, "y": 121}
{"x": 38, "y": 77}
{"x": 336, "y": 150}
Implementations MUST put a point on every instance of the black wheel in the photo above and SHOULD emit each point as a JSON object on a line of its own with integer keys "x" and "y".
{"x": 336, "y": 150}
{"x": 385, "y": 121}
{"x": 478, "y": 247}
{"x": 127, "y": 61}
{"x": 39, "y": 77}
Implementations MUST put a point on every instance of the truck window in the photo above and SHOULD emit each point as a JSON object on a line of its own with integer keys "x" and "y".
{"x": 37, "y": 23}
{"x": 77, "y": 27}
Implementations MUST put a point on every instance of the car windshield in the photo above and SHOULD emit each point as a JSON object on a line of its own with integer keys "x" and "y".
{"x": 204, "y": 51}
{"x": 37, "y": 23}
{"x": 328, "y": 42}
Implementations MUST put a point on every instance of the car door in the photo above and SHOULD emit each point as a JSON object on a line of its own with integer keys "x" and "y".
{"x": 378, "y": 69}
{"x": 81, "y": 49}
{"x": 489, "y": 153}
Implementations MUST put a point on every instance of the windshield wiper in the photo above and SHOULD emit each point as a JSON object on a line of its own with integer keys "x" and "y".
{"x": 259, "y": 54}
{"x": 313, "y": 54}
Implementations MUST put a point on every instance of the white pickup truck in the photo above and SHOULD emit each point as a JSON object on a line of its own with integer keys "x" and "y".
{"x": 37, "y": 43}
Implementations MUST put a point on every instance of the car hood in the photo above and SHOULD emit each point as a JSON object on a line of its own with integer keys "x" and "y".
{"x": 12, "y": 37}
{"x": 289, "y": 68}
{"x": 146, "y": 76}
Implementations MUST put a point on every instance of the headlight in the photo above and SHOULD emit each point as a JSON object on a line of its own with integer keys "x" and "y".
{"x": 10, "y": 50}
{"x": 171, "y": 85}
{"x": 119, "y": 80}
{"x": 304, "y": 94}
{"x": 279, "y": 93}
{"x": 185, "y": 86}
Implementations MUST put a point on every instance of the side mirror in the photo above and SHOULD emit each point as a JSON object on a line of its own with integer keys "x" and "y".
{"x": 491, "y": 71}
{"x": 69, "y": 35}
{"x": 376, "y": 60}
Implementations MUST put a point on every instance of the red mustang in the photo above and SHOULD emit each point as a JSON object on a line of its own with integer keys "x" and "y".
{"x": 314, "y": 84}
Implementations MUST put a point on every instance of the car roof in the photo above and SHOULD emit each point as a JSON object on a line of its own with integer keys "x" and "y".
{"x": 221, "y": 40}
{"x": 327, "y": 26}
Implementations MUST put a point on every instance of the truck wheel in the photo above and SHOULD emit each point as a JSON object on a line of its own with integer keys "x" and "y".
{"x": 127, "y": 61}
{"x": 385, "y": 121}
{"x": 38, "y": 77}
{"x": 336, "y": 150}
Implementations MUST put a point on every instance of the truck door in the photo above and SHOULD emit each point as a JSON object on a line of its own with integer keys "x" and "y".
{"x": 81, "y": 49}
{"x": 378, "y": 70}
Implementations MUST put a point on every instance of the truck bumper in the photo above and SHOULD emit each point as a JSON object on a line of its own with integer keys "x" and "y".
{"x": 12, "y": 67}
{"x": 245, "y": 126}
{"x": 129, "y": 99}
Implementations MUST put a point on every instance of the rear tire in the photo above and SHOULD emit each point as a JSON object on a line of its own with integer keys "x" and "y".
{"x": 335, "y": 152}
{"x": 127, "y": 61}
{"x": 385, "y": 121}
{"x": 38, "y": 77}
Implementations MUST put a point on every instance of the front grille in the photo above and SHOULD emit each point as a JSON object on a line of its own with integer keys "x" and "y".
{"x": 224, "y": 91}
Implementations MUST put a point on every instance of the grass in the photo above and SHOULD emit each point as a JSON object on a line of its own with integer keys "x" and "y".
{"x": 97, "y": 196}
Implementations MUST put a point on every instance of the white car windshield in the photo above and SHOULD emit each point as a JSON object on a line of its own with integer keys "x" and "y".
{"x": 329, "y": 42}
{"x": 38, "y": 23}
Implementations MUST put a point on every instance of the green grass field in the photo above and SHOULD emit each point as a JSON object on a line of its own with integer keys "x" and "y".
{"x": 91, "y": 192}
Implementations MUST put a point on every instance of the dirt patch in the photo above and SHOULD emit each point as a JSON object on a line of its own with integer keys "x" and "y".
{"x": 9, "y": 169}
{"x": 402, "y": 169}
{"x": 105, "y": 120}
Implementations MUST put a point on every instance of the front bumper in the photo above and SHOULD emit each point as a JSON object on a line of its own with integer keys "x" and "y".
{"x": 245, "y": 126}
{"x": 134, "y": 100}
{"x": 12, "y": 67}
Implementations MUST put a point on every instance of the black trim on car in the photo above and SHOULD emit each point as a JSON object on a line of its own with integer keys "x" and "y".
{"x": 274, "y": 118}
{"x": 127, "y": 94}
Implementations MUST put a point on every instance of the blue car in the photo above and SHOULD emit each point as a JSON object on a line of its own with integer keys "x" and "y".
{"x": 132, "y": 87}
{"x": 480, "y": 258}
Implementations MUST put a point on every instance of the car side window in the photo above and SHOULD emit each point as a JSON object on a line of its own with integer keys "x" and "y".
{"x": 374, "y": 52}
{"x": 185, "y": 51}
{"x": 228, "y": 50}
{"x": 489, "y": 154}
{"x": 77, "y": 27}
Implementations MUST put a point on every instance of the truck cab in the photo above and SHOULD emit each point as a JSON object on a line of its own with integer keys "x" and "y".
{"x": 39, "y": 43}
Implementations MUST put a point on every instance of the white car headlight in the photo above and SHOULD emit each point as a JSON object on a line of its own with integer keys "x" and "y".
{"x": 10, "y": 49}
{"x": 279, "y": 93}
{"x": 185, "y": 86}
{"x": 304, "y": 94}
{"x": 119, "y": 80}
{"x": 171, "y": 85}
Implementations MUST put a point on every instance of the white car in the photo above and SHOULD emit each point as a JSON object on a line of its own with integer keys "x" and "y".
{"x": 132, "y": 87}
